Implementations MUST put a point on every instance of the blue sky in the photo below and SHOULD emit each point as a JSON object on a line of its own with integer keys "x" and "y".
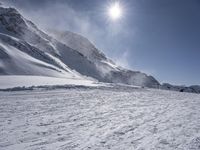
{"x": 158, "y": 37}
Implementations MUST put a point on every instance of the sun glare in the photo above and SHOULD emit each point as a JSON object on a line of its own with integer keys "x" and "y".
{"x": 115, "y": 11}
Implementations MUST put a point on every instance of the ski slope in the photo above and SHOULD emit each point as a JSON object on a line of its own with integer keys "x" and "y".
{"x": 117, "y": 118}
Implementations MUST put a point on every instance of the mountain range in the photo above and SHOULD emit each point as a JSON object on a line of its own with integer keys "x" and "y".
{"x": 27, "y": 50}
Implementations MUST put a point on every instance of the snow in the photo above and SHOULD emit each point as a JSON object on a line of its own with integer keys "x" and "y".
{"x": 12, "y": 81}
{"x": 78, "y": 43}
{"x": 182, "y": 88}
{"x": 104, "y": 69}
{"x": 20, "y": 58}
{"x": 67, "y": 54}
{"x": 19, "y": 62}
{"x": 111, "y": 64}
{"x": 99, "y": 119}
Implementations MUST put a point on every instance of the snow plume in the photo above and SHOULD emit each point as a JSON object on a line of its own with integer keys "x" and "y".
{"x": 61, "y": 16}
{"x": 123, "y": 60}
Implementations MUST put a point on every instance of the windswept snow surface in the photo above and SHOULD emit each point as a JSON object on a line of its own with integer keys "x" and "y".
{"x": 27, "y": 81}
{"x": 114, "y": 118}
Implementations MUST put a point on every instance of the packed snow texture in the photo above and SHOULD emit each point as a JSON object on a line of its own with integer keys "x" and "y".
{"x": 99, "y": 119}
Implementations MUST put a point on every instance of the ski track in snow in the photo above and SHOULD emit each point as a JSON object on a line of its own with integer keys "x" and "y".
{"x": 99, "y": 119}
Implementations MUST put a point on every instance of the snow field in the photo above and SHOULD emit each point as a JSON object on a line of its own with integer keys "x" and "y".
{"x": 99, "y": 119}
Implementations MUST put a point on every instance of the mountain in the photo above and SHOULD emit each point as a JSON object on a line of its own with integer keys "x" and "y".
{"x": 189, "y": 89}
{"x": 26, "y": 50}
{"x": 110, "y": 72}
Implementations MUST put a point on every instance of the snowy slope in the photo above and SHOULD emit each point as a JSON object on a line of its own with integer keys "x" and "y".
{"x": 15, "y": 61}
{"x": 26, "y": 50}
{"x": 99, "y": 119}
{"x": 27, "y": 81}
{"x": 109, "y": 71}
{"x": 79, "y": 43}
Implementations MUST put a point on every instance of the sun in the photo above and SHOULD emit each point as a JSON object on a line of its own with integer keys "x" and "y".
{"x": 115, "y": 11}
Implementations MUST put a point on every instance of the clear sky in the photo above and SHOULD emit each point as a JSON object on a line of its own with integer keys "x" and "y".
{"x": 158, "y": 37}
